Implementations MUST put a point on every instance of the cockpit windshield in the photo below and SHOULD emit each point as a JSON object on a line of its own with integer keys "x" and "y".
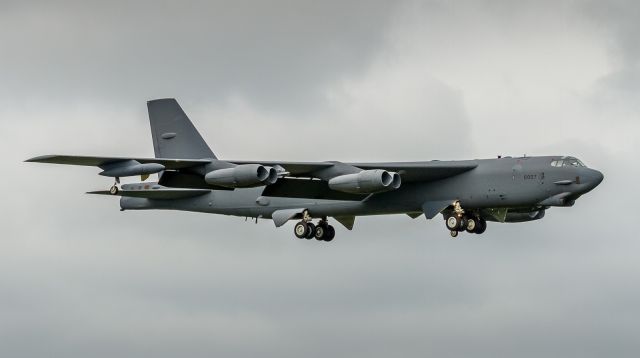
{"x": 568, "y": 162}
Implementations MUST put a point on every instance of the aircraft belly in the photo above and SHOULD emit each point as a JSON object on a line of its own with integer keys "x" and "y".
{"x": 247, "y": 202}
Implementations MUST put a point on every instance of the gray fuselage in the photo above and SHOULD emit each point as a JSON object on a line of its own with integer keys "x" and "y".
{"x": 527, "y": 184}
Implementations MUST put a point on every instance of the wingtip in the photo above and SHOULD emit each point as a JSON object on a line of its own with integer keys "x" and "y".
{"x": 38, "y": 158}
{"x": 99, "y": 192}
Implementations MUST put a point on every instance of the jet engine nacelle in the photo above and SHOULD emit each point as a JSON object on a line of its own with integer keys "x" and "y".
{"x": 242, "y": 176}
{"x": 366, "y": 182}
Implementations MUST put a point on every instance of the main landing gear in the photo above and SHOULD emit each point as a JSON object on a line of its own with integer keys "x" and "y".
{"x": 305, "y": 229}
{"x": 458, "y": 221}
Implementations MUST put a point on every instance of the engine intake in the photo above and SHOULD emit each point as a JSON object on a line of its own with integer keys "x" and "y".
{"x": 242, "y": 176}
{"x": 366, "y": 182}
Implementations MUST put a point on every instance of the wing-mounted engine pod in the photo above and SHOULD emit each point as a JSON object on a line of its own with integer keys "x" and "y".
{"x": 366, "y": 182}
{"x": 242, "y": 176}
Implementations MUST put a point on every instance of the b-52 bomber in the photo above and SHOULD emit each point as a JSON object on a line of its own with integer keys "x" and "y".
{"x": 466, "y": 193}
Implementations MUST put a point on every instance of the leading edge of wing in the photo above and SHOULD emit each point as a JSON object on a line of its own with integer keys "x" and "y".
{"x": 293, "y": 168}
{"x": 410, "y": 171}
{"x": 100, "y": 161}
{"x": 422, "y": 171}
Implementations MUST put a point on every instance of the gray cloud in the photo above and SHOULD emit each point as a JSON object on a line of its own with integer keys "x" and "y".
{"x": 278, "y": 54}
{"x": 433, "y": 80}
{"x": 618, "y": 21}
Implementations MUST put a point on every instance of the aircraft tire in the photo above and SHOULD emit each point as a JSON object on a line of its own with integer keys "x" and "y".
{"x": 454, "y": 233}
{"x": 463, "y": 224}
{"x": 320, "y": 232}
{"x": 301, "y": 230}
{"x": 311, "y": 232}
{"x": 331, "y": 233}
{"x": 453, "y": 222}
{"x": 472, "y": 225}
{"x": 114, "y": 190}
{"x": 482, "y": 226}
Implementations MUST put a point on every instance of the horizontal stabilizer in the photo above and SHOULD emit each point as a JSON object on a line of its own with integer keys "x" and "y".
{"x": 158, "y": 194}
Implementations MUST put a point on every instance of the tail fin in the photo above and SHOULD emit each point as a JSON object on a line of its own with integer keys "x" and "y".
{"x": 174, "y": 136}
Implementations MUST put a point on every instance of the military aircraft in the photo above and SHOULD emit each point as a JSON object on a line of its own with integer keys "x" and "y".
{"x": 467, "y": 193}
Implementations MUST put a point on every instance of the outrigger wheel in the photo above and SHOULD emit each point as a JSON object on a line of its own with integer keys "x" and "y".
{"x": 114, "y": 190}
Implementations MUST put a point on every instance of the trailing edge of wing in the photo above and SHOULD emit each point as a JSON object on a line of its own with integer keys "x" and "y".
{"x": 171, "y": 164}
{"x": 159, "y": 194}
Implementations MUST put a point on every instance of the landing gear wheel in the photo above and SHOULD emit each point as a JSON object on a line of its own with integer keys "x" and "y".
{"x": 301, "y": 230}
{"x": 114, "y": 190}
{"x": 472, "y": 225}
{"x": 331, "y": 233}
{"x": 311, "y": 232}
{"x": 321, "y": 231}
{"x": 463, "y": 224}
{"x": 481, "y": 227}
{"x": 454, "y": 222}
{"x": 454, "y": 233}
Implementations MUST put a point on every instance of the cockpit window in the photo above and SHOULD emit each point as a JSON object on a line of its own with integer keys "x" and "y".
{"x": 572, "y": 163}
{"x": 568, "y": 162}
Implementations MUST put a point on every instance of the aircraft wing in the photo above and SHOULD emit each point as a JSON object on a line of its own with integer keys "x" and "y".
{"x": 422, "y": 171}
{"x": 170, "y": 164}
{"x": 409, "y": 171}
{"x": 295, "y": 169}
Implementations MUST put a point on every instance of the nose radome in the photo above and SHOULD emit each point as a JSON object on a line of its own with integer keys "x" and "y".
{"x": 595, "y": 177}
{"x": 599, "y": 177}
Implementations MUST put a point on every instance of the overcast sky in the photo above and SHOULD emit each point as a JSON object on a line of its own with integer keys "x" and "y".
{"x": 317, "y": 80}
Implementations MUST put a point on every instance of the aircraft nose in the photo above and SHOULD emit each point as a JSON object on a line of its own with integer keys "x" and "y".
{"x": 593, "y": 178}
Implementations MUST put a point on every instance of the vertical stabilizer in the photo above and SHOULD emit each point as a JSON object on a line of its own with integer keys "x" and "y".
{"x": 174, "y": 136}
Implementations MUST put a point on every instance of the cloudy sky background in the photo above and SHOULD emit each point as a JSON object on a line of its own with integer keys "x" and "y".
{"x": 309, "y": 80}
